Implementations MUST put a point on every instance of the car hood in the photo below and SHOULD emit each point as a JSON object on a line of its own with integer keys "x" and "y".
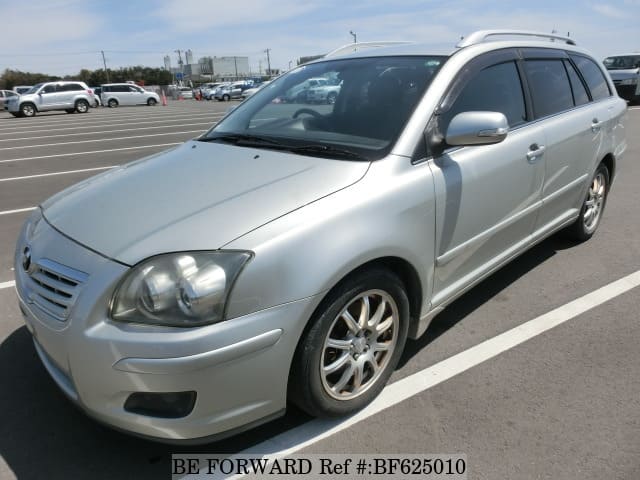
{"x": 623, "y": 74}
{"x": 198, "y": 196}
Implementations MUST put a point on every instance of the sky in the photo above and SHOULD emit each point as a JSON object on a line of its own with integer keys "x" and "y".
{"x": 60, "y": 37}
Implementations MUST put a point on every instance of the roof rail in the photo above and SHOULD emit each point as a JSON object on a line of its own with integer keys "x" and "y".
{"x": 482, "y": 35}
{"x": 354, "y": 47}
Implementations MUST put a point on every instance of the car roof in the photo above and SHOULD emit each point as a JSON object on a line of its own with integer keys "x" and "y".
{"x": 447, "y": 49}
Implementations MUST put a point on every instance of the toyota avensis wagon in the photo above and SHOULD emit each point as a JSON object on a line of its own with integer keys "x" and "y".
{"x": 288, "y": 253}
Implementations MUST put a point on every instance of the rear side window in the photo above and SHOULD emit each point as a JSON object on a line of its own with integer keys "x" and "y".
{"x": 550, "y": 87}
{"x": 495, "y": 89}
{"x": 594, "y": 77}
{"x": 580, "y": 95}
{"x": 70, "y": 87}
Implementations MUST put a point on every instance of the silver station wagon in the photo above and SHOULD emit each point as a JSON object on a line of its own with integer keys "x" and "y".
{"x": 288, "y": 253}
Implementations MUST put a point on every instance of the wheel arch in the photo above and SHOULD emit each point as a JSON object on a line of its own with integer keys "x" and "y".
{"x": 610, "y": 162}
{"x": 401, "y": 267}
{"x": 28, "y": 102}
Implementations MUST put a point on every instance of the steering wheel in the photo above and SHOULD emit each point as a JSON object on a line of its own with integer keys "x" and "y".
{"x": 308, "y": 111}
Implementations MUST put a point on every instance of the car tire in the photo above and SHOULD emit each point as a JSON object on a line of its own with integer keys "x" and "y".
{"x": 28, "y": 110}
{"x": 226, "y": 97}
{"x": 341, "y": 364}
{"x": 70, "y": 110}
{"x": 112, "y": 103}
{"x": 152, "y": 102}
{"x": 82, "y": 106}
{"x": 593, "y": 206}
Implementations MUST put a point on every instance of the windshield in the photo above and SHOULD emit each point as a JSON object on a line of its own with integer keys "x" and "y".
{"x": 34, "y": 89}
{"x": 626, "y": 62}
{"x": 350, "y": 108}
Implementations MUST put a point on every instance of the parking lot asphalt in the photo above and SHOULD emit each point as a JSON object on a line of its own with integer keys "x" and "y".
{"x": 564, "y": 404}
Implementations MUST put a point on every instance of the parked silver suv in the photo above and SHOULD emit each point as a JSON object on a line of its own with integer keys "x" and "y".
{"x": 68, "y": 96}
{"x": 288, "y": 253}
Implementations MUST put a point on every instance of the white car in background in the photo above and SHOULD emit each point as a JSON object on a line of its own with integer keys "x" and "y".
{"x": 250, "y": 91}
{"x": 116, "y": 94}
{"x": 324, "y": 94}
{"x": 22, "y": 89}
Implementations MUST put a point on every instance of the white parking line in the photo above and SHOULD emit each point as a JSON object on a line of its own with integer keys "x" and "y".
{"x": 312, "y": 432}
{"x": 106, "y": 139}
{"x": 19, "y": 210}
{"x": 89, "y": 153}
{"x": 102, "y": 132}
{"x": 59, "y": 125}
{"x": 7, "y": 284}
{"x": 56, "y": 173}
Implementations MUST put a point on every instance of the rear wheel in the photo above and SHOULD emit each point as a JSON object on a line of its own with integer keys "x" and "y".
{"x": 112, "y": 103}
{"x": 151, "y": 102}
{"x": 28, "y": 109}
{"x": 226, "y": 97}
{"x": 352, "y": 346}
{"x": 591, "y": 212}
{"x": 82, "y": 106}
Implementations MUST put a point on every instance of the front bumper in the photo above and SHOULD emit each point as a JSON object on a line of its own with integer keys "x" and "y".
{"x": 238, "y": 368}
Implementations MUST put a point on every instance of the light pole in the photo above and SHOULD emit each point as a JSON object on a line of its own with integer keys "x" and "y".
{"x": 355, "y": 38}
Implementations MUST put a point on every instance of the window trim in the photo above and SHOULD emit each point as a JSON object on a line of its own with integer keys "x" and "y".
{"x": 424, "y": 151}
{"x": 584, "y": 80}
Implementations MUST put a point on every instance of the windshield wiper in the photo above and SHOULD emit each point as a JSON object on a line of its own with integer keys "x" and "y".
{"x": 325, "y": 149}
{"x": 236, "y": 138}
{"x": 256, "y": 140}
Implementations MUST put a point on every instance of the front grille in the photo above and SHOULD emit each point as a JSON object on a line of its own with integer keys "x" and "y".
{"x": 54, "y": 287}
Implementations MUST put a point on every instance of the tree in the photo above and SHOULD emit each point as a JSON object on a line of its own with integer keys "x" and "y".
{"x": 11, "y": 78}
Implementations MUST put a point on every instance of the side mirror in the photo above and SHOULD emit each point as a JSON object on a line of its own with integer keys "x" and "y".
{"x": 477, "y": 128}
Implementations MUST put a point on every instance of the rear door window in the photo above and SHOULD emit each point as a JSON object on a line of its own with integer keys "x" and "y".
{"x": 594, "y": 77}
{"x": 550, "y": 88}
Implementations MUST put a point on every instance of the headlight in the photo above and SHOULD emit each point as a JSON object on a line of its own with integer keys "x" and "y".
{"x": 178, "y": 289}
{"x": 32, "y": 224}
{"x": 629, "y": 81}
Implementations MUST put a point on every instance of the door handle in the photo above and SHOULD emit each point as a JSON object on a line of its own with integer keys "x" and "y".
{"x": 596, "y": 125}
{"x": 535, "y": 152}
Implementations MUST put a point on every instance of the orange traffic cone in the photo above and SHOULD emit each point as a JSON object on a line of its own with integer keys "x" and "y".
{"x": 164, "y": 99}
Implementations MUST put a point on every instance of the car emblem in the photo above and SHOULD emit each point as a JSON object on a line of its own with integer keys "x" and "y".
{"x": 26, "y": 258}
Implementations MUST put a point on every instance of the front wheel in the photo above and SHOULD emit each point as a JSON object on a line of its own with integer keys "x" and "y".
{"x": 151, "y": 102}
{"x": 226, "y": 97}
{"x": 352, "y": 346}
{"x": 28, "y": 110}
{"x": 591, "y": 212}
{"x": 112, "y": 103}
